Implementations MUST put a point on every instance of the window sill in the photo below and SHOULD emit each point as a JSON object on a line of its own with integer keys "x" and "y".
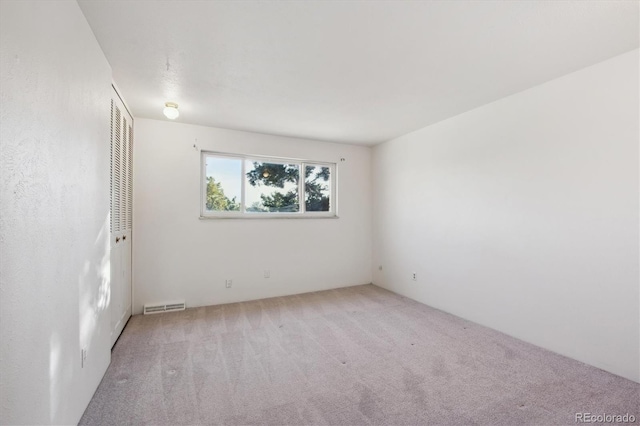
{"x": 269, "y": 217}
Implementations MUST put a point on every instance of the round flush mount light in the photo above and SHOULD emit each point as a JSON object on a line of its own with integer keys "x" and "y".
{"x": 171, "y": 110}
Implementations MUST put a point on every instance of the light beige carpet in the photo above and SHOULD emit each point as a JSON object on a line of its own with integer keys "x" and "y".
{"x": 353, "y": 356}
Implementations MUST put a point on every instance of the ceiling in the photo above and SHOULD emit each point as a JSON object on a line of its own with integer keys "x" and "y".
{"x": 358, "y": 72}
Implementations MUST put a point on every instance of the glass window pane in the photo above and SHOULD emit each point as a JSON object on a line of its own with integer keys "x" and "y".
{"x": 223, "y": 180}
{"x": 271, "y": 187}
{"x": 317, "y": 188}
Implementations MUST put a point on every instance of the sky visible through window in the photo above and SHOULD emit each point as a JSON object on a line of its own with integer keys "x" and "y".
{"x": 227, "y": 171}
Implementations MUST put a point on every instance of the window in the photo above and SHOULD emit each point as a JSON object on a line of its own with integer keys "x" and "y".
{"x": 247, "y": 186}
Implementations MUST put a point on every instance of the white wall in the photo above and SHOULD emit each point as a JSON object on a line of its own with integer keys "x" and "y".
{"x": 54, "y": 205}
{"x": 522, "y": 215}
{"x": 179, "y": 256}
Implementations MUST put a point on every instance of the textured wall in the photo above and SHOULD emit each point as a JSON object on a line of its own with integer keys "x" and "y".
{"x": 179, "y": 256}
{"x": 54, "y": 205}
{"x": 522, "y": 215}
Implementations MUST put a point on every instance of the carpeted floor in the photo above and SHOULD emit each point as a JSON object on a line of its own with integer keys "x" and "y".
{"x": 351, "y": 356}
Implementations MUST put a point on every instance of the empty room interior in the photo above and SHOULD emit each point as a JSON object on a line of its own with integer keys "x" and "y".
{"x": 319, "y": 212}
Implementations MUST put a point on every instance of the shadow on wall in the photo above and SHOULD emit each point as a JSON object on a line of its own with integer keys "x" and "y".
{"x": 93, "y": 302}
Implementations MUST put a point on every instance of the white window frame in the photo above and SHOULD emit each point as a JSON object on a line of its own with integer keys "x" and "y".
{"x": 243, "y": 214}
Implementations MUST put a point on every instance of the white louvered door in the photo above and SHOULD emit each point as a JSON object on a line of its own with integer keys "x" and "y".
{"x": 121, "y": 215}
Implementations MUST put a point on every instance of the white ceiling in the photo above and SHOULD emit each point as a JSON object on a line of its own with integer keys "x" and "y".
{"x": 346, "y": 71}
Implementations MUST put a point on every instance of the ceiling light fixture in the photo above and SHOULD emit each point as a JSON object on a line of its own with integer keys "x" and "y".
{"x": 171, "y": 110}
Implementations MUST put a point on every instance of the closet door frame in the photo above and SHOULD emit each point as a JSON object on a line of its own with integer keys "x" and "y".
{"x": 121, "y": 215}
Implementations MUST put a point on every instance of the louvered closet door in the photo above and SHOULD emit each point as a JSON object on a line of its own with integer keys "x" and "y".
{"x": 121, "y": 215}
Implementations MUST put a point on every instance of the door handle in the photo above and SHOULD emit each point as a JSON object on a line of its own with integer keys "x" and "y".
{"x": 124, "y": 237}
{"x": 117, "y": 240}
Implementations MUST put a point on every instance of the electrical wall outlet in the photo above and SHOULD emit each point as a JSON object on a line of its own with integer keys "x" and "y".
{"x": 414, "y": 276}
{"x": 83, "y": 357}
{"x": 228, "y": 283}
{"x": 267, "y": 273}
